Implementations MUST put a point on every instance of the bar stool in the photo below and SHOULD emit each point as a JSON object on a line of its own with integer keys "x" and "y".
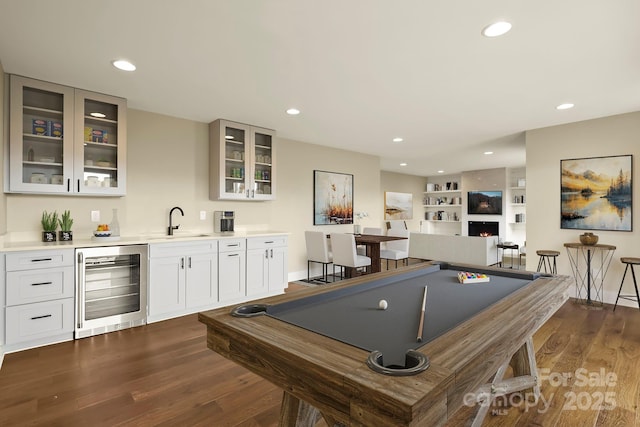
{"x": 630, "y": 263}
{"x": 545, "y": 260}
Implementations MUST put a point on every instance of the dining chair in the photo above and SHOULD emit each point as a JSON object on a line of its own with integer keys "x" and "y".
{"x": 396, "y": 249}
{"x": 376, "y": 231}
{"x": 344, "y": 252}
{"x": 361, "y": 249}
{"x": 318, "y": 252}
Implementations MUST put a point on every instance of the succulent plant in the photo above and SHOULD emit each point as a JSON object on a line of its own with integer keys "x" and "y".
{"x": 49, "y": 221}
{"x": 65, "y": 221}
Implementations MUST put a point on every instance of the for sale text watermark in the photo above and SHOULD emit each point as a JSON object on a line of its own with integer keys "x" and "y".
{"x": 499, "y": 398}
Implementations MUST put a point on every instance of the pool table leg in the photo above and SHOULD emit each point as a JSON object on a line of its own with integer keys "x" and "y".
{"x": 525, "y": 379}
{"x": 524, "y": 363}
{"x": 298, "y": 413}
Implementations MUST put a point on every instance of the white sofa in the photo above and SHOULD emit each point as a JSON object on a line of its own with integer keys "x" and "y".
{"x": 460, "y": 249}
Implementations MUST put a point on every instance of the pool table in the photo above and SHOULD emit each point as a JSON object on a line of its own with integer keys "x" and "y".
{"x": 332, "y": 348}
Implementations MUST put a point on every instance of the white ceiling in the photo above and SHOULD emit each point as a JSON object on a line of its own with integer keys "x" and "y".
{"x": 361, "y": 71}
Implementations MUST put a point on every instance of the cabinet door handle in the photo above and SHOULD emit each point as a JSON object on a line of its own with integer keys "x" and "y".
{"x": 41, "y": 317}
{"x": 41, "y": 259}
{"x": 68, "y": 184}
{"x": 268, "y": 242}
{"x": 266, "y": 253}
{"x": 78, "y": 185}
{"x": 42, "y": 283}
{"x": 182, "y": 263}
{"x": 233, "y": 255}
{"x": 189, "y": 262}
{"x": 253, "y": 194}
{"x": 234, "y": 245}
{"x": 247, "y": 194}
{"x": 271, "y": 253}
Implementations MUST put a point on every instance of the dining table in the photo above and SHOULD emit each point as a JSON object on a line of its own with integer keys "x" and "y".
{"x": 372, "y": 244}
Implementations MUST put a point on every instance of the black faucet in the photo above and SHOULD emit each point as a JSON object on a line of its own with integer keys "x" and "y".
{"x": 171, "y": 227}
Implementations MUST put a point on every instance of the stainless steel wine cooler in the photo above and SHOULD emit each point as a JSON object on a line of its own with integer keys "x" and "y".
{"x": 111, "y": 286}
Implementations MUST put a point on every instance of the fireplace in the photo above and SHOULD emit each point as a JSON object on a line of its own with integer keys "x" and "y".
{"x": 484, "y": 228}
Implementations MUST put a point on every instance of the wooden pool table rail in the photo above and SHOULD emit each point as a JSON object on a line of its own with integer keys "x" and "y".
{"x": 333, "y": 376}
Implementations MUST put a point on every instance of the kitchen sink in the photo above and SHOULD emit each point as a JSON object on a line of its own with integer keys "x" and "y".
{"x": 177, "y": 236}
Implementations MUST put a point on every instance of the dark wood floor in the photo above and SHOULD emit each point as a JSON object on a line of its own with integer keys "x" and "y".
{"x": 163, "y": 374}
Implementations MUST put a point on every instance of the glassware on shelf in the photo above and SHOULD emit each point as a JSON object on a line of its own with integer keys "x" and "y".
{"x": 114, "y": 226}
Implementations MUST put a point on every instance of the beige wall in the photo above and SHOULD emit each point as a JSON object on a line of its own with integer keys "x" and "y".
{"x": 401, "y": 183}
{"x": 293, "y": 209}
{"x": 168, "y": 166}
{"x": 3, "y": 134}
{"x": 609, "y": 136}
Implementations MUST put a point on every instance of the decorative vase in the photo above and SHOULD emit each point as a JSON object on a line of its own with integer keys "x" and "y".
{"x": 48, "y": 236}
{"x": 114, "y": 226}
{"x": 588, "y": 239}
{"x": 65, "y": 236}
{"x": 356, "y": 228}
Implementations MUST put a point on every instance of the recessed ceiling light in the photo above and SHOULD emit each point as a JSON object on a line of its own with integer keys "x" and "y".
{"x": 398, "y": 139}
{"x": 293, "y": 111}
{"x": 123, "y": 65}
{"x": 98, "y": 115}
{"x": 564, "y": 106}
{"x": 403, "y": 164}
{"x": 440, "y": 171}
{"x": 496, "y": 29}
{"x": 488, "y": 152}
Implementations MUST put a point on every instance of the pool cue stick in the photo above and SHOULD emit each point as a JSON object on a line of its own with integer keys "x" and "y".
{"x": 424, "y": 305}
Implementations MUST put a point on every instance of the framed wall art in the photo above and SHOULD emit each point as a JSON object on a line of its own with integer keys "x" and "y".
{"x": 332, "y": 198}
{"x": 596, "y": 193}
{"x": 398, "y": 205}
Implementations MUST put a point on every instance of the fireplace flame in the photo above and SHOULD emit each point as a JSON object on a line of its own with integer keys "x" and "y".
{"x": 485, "y": 234}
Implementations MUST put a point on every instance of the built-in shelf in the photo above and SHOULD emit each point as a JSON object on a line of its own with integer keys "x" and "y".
{"x": 442, "y": 192}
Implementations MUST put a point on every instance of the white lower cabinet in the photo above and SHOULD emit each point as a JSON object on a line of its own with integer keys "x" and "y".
{"x": 39, "y": 298}
{"x": 232, "y": 260}
{"x": 38, "y": 321}
{"x": 266, "y": 265}
{"x": 183, "y": 278}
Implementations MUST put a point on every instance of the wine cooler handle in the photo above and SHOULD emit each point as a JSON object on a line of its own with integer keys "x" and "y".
{"x": 80, "y": 289}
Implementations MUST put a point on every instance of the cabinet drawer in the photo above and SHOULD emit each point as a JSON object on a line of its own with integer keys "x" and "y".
{"x": 28, "y": 260}
{"x": 266, "y": 242}
{"x": 182, "y": 248}
{"x": 29, "y": 286}
{"x": 232, "y": 245}
{"x": 39, "y": 320}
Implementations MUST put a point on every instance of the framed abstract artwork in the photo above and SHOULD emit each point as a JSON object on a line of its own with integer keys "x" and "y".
{"x": 596, "y": 193}
{"x": 398, "y": 205}
{"x": 332, "y": 198}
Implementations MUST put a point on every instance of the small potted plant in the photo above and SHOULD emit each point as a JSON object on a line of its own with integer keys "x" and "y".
{"x": 65, "y": 222}
{"x": 49, "y": 223}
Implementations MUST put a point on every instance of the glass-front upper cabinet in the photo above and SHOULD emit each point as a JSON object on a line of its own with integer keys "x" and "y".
{"x": 242, "y": 162}
{"x": 263, "y": 164}
{"x": 100, "y": 163}
{"x": 64, "y": 140}
{"x": 41, "y": 136}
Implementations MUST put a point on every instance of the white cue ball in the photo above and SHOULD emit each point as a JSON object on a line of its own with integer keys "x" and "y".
{"x": 382, "y": 305}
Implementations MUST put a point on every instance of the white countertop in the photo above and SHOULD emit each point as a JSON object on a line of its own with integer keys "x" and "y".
{"x": 86, "y": 242}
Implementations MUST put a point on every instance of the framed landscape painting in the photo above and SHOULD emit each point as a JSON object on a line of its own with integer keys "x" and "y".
{"x": 596, "y": 193}
{"x": 332, "y": 198}
{"x": 398, "y": 205}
